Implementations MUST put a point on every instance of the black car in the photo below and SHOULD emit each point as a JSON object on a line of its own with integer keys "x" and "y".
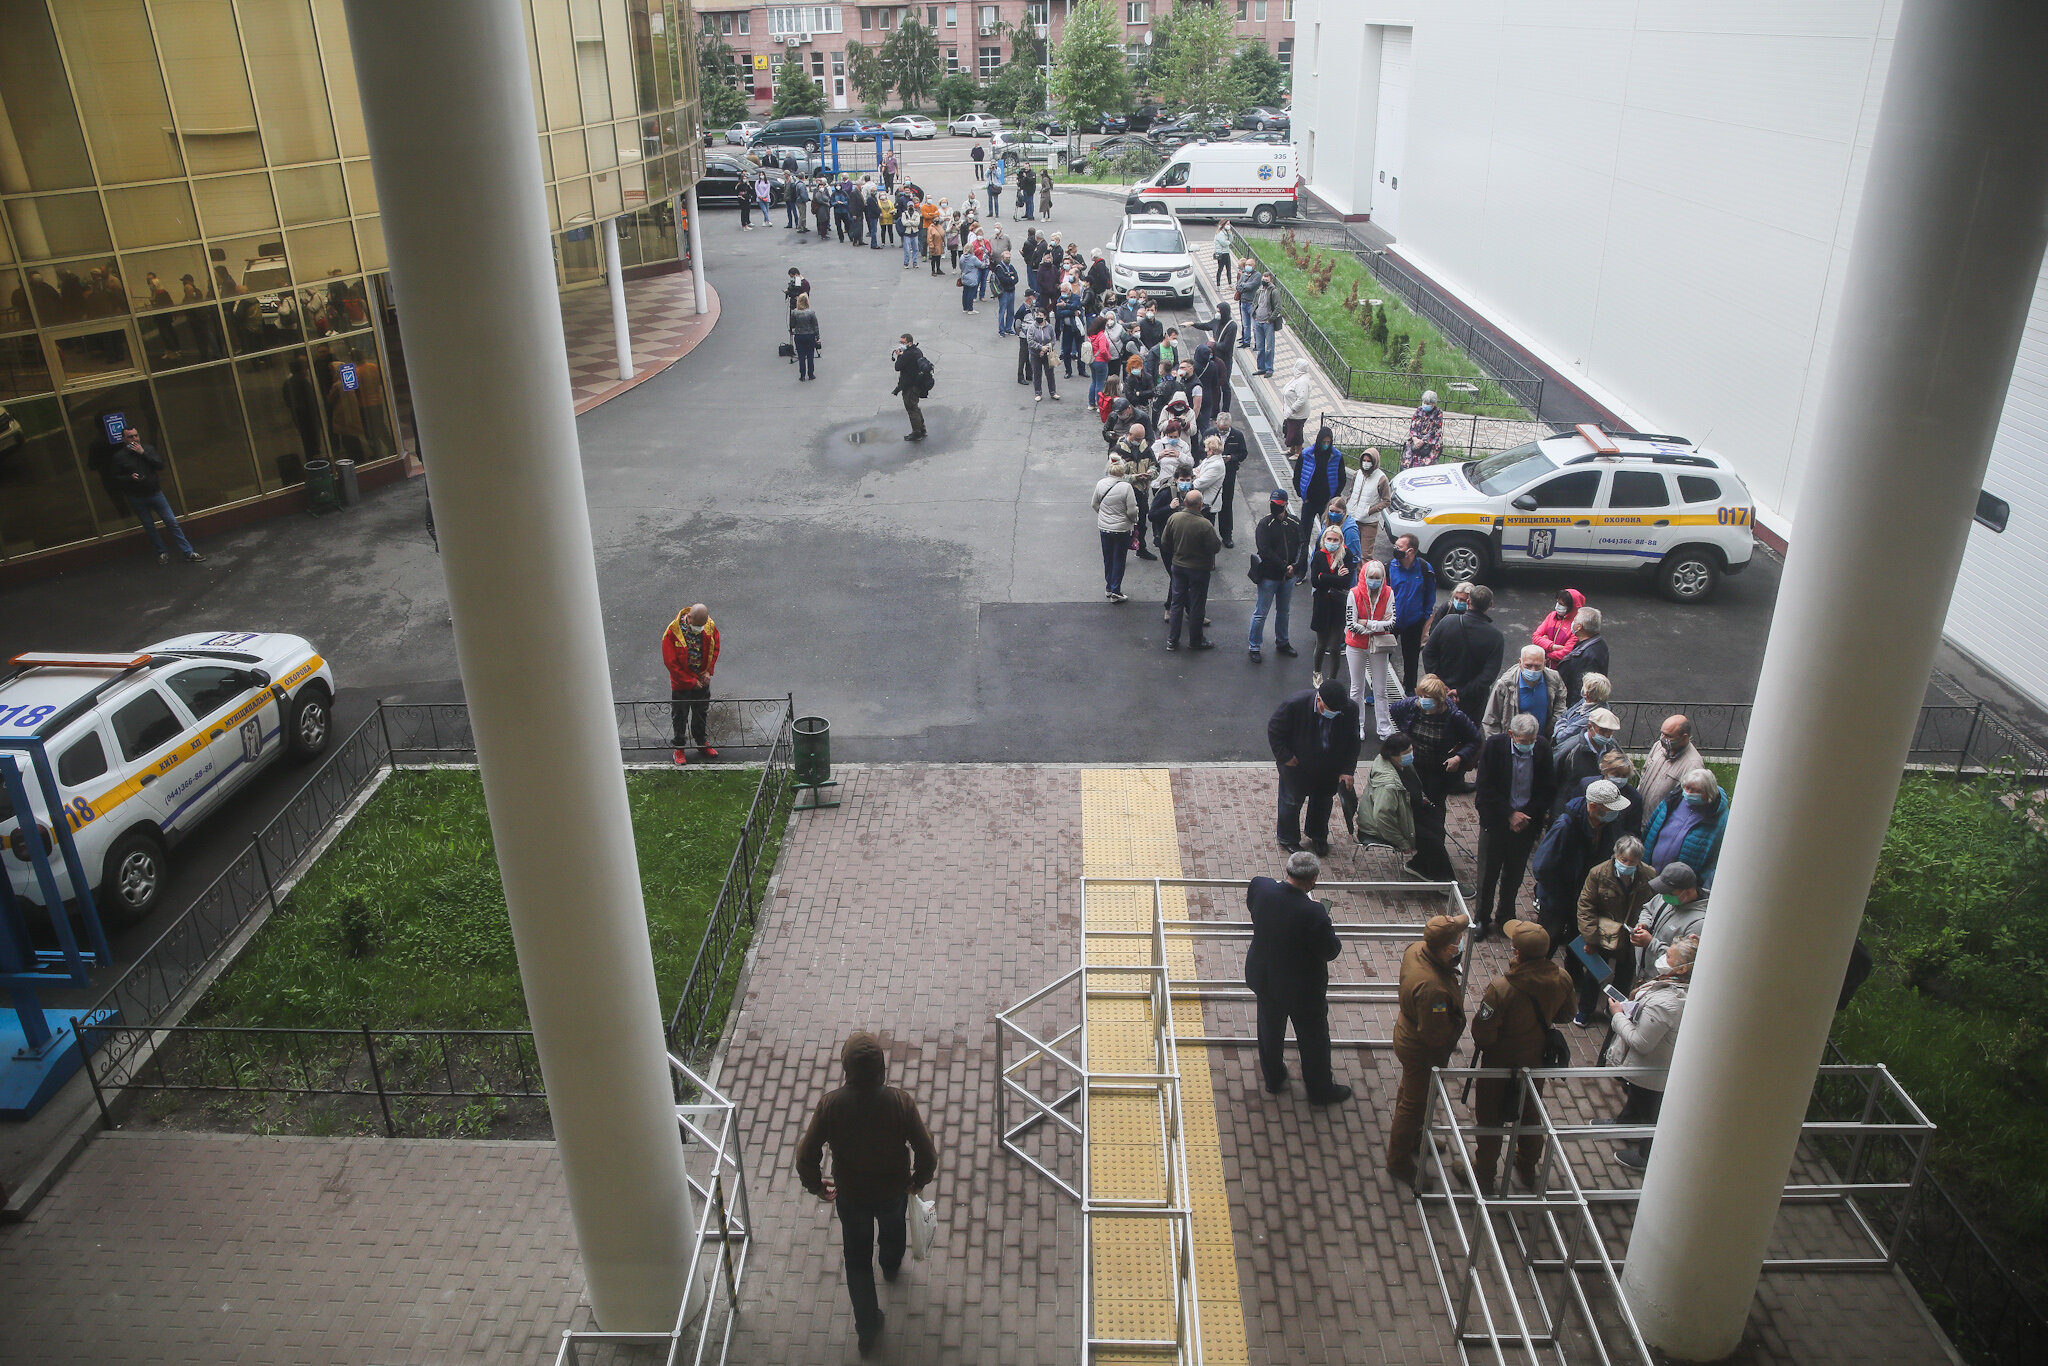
{"x": 1049, "y": 125}
{"x": 1265, "y": 119}
{"x": 1195, "y": 127}
{"x": 1143, "y": 117}
{"x": 722, "y": 179}
{"x": 1107, "y": 150}
{"x": 804, "y": 163}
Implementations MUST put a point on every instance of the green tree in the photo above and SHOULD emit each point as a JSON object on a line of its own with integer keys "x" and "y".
{"x": 1194, "y": 72}
{"x": 1091, "y": 78}
{"x": 719, "y": 103}
{"x": 867, "y": 71}
{"x": 912, "y": 54}
{"x": 1017, "y": 92}
{"x": 795, "y": 92}
{"x": 1260, "y": 77}
{"x": 956, "y": 94}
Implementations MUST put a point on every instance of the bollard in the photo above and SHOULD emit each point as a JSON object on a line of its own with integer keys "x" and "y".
{"x": 811, "y": 760}
{"x": 345, "y": 472}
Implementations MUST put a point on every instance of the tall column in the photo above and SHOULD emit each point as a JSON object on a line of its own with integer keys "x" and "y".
{"x": 698, "y": 286}
{"x": 448, "y": 103}
{"x": 1956, "y": 207}
{"x": 615, "y": 278}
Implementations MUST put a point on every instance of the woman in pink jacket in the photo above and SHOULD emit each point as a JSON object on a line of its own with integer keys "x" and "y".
{"x": 1555, "y": 634}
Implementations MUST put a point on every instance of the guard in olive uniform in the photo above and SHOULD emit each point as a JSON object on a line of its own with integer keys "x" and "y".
{"x": 1426, "y": 1031}
{"x": 1518, "y": 1010}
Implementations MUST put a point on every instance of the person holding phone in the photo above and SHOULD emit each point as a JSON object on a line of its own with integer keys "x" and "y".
{"x": 1615, "y": 892}
{"x": 1645, "y": 1035}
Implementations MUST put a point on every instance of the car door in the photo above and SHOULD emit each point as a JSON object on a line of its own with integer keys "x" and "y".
{"x": 1633, "y": 523}
{"x": 237, "y": 733}
{"x": 149, "y": 735}
{"x": 1551, "y": 522}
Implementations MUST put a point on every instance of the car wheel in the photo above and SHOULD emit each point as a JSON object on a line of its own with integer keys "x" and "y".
{"x": 310, "y": 724}
{"x": 1264, "y": 215}
{"x": 133, "y": 878}
{"x": 1689, "y": 574}
{"x": 1461, "y": 559}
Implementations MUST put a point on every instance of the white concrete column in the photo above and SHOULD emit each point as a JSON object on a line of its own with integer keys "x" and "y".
{"x": 448, "y": 102}
{"x": 698, "y": 286}
{"x": 615, "y": 279}
{"x": 1946, "y": 254}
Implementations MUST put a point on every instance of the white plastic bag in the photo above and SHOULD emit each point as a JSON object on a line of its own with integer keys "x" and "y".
{"x": 924, "y": 1226}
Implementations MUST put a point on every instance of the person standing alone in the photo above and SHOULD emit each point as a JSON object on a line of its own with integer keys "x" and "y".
{"x": 1288, "y": 969}
{"x": 803, "y": 331}
{"x": 882, "y": 1154}
{"x": 913, "y": 381}
{"x": 130, "y": 470}
{"x": 690, "y": 649}
{"x": 978, "y": 156}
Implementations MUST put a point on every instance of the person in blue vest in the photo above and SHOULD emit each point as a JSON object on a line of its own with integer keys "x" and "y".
{"x": 1688, "y": 825}
{"x": 1320, "y": 476}
{"x": 998, "y": 175}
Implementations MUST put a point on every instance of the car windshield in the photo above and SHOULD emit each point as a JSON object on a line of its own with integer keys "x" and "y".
{"x": 1508, "y": 471}
{"x": 1160, "y": 241}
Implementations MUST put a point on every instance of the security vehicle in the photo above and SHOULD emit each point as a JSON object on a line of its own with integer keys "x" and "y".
{"x": 1591, "y": 498}
{"x": 145, "y": 745}
{"x": 975, "y": 126}
{"x": 1150, "y": 252}
{"x": 1221, "y": 180}
{"x": 912, "y": 126}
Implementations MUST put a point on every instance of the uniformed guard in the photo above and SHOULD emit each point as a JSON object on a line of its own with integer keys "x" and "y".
{"x": 1517, "y": 1012}
{"x": 1426, "y": 1031}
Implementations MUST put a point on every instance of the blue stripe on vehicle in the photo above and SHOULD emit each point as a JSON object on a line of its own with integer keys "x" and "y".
{"x": 240, "y": 759}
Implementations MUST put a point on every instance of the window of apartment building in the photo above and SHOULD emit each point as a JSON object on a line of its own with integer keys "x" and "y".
{"x": 888, "y": 18}
{"x": 990, "y": 16}
{"x": 818, "y": 67}
{"x": 867, "y": 19}
{"x": 801, "y": 19}
{"x": 1036, "y": 12}
{"x": 1259, "y": 11}
{"x": 991, "y": 58}
{"x": 952, "y": 16}
{"x": 1244, "y": 9}
{"x": 952, "y": 60}
{"x": 1286, "y": 55}
{"x": 1287, "y": 10}
{"x": 1134, "y": 11}
{"x": 743, "y": 24}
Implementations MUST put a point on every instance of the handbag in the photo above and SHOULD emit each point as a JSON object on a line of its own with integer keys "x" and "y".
{"x": 786, "y": 349}
{"x": 924, "y": 1226}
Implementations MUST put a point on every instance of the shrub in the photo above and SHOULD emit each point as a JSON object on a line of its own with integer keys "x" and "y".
{"x": 1379, "y": 326}
{"x": 1397, "y": 351}
{"x": 1415, "y": 363}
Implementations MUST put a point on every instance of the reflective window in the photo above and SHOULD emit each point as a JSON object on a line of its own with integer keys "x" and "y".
{"x": 287, "y": 419}
{"x": 84, "y": 761}
{"x": 554, "y": 44}
{"x": 15, "y": 313}
{"x": 87, "y": 355}
{"x": 86, "y": 413}
{"x": 156, "y": 279}
{"x": 202, "y": 59}
{"x": 291, "y": 91}
{"x": 341, "y": 76}
{"x": 335, "y": 307}
{"x": 1638, "y": 489}
{"x": 145, "y": 725}
{"x": 237, "y": 203}
{"x": 249, "y": 265}
{"x": 264, "y": 322}
{"x": 319, "y": 253}
{"x": 58, "y": 225}
{"x": 370, "y": 241}
{"x": 23, "y": 370}
{"x": 37, "y": 100}
{"x": 356, "y": 414}
{"x": 310, "y": 194}
{"x": 182, "y": 336}
{"x": 362, "y": 186}
{"x": 149, "y": 214}
{"x": 43, "y": 495}
{"x": 206, "y": 689}
{"x": 120, "y": 91}
{"x": 206, "y": 439}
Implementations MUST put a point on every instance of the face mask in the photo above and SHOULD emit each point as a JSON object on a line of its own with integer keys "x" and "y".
{"x": 1333, "y": 546}
{"x": 1696, "y": 800}
{"x": 1429, "y": 407}
{"x": 1373, "y": 582}
{"x": 1663, "y": 964}
{"x": 1599, "y": 815}
{"x": 1624, "y": 869}
{"x": 1564, "y": 609}
{"x": 1601, "y": 743}
{"x": 1524, "y": 750}
{"x": 1333, "y": 517}
{"x": 1532, "y": 675}
{"x": 1459, "y": 604}
{"x": 1408, "y": 759}
{"x": 1670, "y": 898}
{"x": 1674, "y": 748}
{"x": 1185, "y": 485}
{"x": 1426, "y": 703}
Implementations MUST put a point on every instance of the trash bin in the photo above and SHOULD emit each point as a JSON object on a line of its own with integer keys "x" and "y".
{"x": 319, "y": 486}
{"x": 345, "y": 472}
{"x": 813, "y": 750}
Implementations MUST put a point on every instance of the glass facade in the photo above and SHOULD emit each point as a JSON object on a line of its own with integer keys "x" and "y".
{"x": 189, "y": 234}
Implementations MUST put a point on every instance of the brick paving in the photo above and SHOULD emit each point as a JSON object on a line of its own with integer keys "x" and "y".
{"x": 663, "y": 323}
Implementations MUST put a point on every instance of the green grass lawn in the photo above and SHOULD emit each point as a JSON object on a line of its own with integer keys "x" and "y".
{"x": 1364, "y": 354}
{"x": 402, "y": 922}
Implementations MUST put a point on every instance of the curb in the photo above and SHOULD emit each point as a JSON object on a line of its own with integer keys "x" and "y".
{"x": 1118, "y": 192}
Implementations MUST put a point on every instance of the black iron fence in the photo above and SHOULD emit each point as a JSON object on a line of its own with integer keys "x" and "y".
{"x": 1467, "y": 436}
{"x": 1968, "y": 738}
{"x": 130, "y": 1008}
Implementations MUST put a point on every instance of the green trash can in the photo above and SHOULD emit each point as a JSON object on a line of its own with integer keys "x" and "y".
{"x": 320, "y": 491}
{"x": 811, "y": 755}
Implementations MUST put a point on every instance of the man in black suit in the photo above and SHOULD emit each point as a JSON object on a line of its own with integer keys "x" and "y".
{"x": 1288, "y": 968}
{"x": 1314, "y": 735}
{"x": 1517, "y": 784}
{"x": 1465, "y": 651}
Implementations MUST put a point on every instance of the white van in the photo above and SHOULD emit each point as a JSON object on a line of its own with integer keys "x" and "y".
{"x": 1254, "y": 180}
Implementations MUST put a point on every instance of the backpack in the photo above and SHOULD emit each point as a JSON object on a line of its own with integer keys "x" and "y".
{"x": 925, "y": 375}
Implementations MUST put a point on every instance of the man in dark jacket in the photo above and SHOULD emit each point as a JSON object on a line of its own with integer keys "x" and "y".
{"x": 1188, "y": 544}
{"x": 1517, "y": 784}
{"x": 1427, "y": 1027}
{"x": 881, "y": 1155}
{"x": 1465, "y": 652}
{"x": 1235, "y": 452}
{"x": 1314, "y": 738}
{"x": 129, "y": 469}
{"x": 1288, "y": 969}
{"x": 1583, "y": 834}
{"x": 1276, "y": 541}
{"x": 1414, "y": 582}
{"x": 1515, "y": 1015}
{"x": 1588, "y": 655}
{"x": 910, "y": 382}
{"x": 1003, "y": 276}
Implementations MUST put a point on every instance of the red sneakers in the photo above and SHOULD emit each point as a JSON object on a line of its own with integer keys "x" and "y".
{"x": 707, "y": 751}
{"x": 681, "y": 758}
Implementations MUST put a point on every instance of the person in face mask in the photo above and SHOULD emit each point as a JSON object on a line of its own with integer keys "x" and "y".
{"x": 1580, "y": 759}
{"x": 1588, "y": 655}
{"x": 1314, "y": 739}
{"x": 1615, "y": 892}
{"x": 1554, "y": 634}
{"x": 1427, "y": 1028}
{"x": 1446, "y": 746}
{"x": 1679, "y": 908}
{"x": 1460, "y": 601}
{"x": 1670, "y": 759}
{"x": 1583, "y": 836}
{"x": 1331, "y": 572}
{"x": 1689, "y": 824}
{"x": 1528, "y": 686}
{"x": 1517, "y": 785}
{"x": 1425, "y": 434}
{"x": 1646, "y": 1035}
{"x": 1369, "y": 645}
{"x": 1396, "y": 812}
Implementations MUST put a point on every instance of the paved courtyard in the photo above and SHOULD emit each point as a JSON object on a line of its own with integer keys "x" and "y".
{"x": 932, "y": 898}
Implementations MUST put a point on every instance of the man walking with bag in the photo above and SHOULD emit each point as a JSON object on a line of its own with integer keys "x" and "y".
{"x": 882, "y": 1154}
{"x": 914, "y": 382}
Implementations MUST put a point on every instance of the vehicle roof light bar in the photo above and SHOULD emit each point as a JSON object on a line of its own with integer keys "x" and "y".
{"x": 1600, "y": 441}
{"x": 61, "y": 659}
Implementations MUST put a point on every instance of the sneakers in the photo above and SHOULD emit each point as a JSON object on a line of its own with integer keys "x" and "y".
{"x": 1256, "y": 657}
{"x": 1173, "y": 645}
{"x": 1119, "y": 597}
{"x": 1288, "y": 650}
{"x": 706, "y": 752}
{"x": 163, "y": 557}
{"x": 1315, "y": 678}
{"x": 681, "y": 758}
{"x": 1633, "y": 1158}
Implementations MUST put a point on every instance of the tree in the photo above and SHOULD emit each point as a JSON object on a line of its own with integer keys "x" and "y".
{"x": 1194, "y": 72}
{"x": 912, "y": 54}
{"x": 956, "y": 94}
{"x": 795, "y": 92}
{"x": 867, "y": 71}
{"x": 1017, "y": 92}
{"x": 1091, "y": 79}
{"x": 1260, "y": 77}
{"x": 719, "y": 105}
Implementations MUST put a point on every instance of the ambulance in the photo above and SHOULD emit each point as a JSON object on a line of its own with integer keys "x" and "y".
{"x": 1254, "y": 180}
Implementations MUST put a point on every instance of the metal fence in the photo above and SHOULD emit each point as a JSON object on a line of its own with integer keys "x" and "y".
{"x": 1459, "y": 328}
{"x": 129, "y": 1010}
{"x": 1968, "y": 738}
{"x": 1467, "y": 436}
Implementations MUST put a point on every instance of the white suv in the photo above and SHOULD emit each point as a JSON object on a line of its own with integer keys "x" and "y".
{"x": 1588, "y": 499}
{"x": 975, "y": 126}
{"x": 1150, "y": 252}
{"x": 144, "y": 746}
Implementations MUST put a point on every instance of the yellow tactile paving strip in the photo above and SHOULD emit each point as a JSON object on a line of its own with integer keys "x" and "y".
{"x": 1128, "y": 830}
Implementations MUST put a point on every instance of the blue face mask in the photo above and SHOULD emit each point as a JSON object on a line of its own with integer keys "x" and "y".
{"x": 1426, "y": 703}
{"x": 1408, "y": 759}
{"x": 1600, "y": 743}
{"x": 1334, "y": 517}
{"x": 1524, "y": 750}
{"x": 1373, "y": 582}
{"x": 1459, "y": 604}
{"x": 1696, "y": 799}
{"x": 1532, "y": 675}
{"x": 1624, "y": 869}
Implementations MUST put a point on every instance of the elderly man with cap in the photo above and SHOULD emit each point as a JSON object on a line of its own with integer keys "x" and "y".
{"x": 1680, "y": 909}
{"x": 1288, "y": 969}
{"x": 1427, "y": 1028}
{"x": 1515, "y": 1015}
{"x": 1579, "y": 759}
{"x": 1314, "y": 738}
{"x": 1579, "y": 840}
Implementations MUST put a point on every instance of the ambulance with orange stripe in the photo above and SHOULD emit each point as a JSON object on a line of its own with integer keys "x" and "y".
{"x": 1590, "y": 498}
{"x": 145, "y": 746}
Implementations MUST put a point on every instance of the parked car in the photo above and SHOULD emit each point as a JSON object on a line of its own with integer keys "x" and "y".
{"x": 915, "y": 126}
{"x": 1150, "y": 252}
{"x": 1269, "y": 139}
{"x": 975, "y": 126}
{"x": 722, "y": 178}
{"x": 145, "y": 746}
{"x": 1264, "y": 118}
{"x": 1193, "y": 128}
{"x": 1583, "y": 500}
{"x": 801, "y": 160}
{"x": 1049, "y": 124}
{"x": 857, "y": 127}
{"x": 1142, "y": 118}
{"x": 795, "y": 131}
{"x": 742, "y": 133}
{"x": 1108, "y": 123}
{"x": 1111, "y": 149}
{"x": 1019, "y": 146}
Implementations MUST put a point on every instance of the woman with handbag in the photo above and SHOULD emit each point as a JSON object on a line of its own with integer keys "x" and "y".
{"x": 1370, "y": 647}
{"x": 1331, "y": 574}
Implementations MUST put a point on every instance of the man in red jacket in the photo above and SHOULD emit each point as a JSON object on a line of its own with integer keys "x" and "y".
{"x": 690, "y": 649}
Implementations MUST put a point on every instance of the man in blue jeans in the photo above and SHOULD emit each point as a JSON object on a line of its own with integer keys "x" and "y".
{"x": 1006, "y": 295}
{"x": 1265, "y": 311}
{"x": 1278, "y": 539}
{"x": 130, "y": 469}
{"x": 881, "y": 1155}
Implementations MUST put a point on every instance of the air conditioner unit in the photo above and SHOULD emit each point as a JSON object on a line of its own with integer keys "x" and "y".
{"x": 988, "y": 31}
{"x": 1042, "y": 29}
{"x": 790, "y": 41}
{"x": 803, "y": 37}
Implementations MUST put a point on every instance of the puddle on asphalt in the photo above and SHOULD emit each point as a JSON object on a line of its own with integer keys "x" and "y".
{"x": 875, "y": 444}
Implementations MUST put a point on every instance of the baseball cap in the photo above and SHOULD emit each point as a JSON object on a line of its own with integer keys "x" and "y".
{"x": 1279, "y": 498}
{"x": 1444, "y": 929}
{"x": 1676, "y": 877}
{"x": 1605, "y": 794}
{"x": 1529, "y": 937}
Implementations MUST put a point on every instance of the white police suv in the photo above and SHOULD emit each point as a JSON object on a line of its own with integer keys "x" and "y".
{"x": 144, "y": 746}
{"x": 1590, "y": 498}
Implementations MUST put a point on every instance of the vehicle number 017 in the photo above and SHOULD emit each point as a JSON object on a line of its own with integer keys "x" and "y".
{"x": 1733, "y": 516}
